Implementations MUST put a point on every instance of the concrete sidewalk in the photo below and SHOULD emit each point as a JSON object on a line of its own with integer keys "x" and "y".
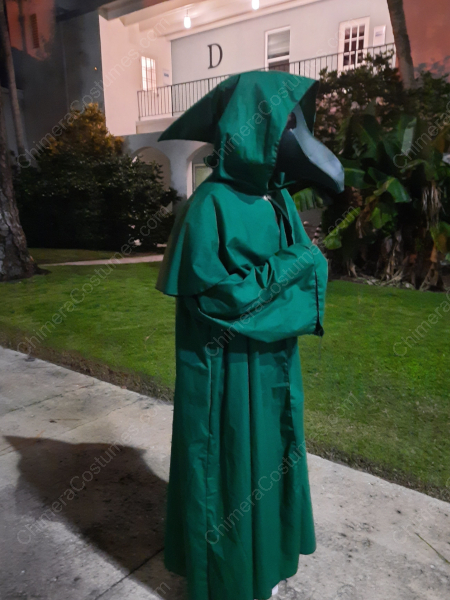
{"x": 109, "y": 261}
{"x": 83, "y": 472}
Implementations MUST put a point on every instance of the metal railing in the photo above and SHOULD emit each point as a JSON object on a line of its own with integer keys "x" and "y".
{"x": 174, "y": 99}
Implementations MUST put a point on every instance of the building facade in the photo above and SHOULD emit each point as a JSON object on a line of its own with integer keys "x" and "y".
{"x": 145, "y": 61}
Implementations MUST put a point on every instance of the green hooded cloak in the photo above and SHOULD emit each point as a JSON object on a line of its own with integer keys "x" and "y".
{"x": 247, "y": 282}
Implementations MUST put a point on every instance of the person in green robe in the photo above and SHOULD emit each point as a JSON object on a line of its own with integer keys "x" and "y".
{"x": 248, "y": 281}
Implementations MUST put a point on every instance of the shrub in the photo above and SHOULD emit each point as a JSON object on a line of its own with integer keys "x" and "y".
{"x": 84, "y": 192}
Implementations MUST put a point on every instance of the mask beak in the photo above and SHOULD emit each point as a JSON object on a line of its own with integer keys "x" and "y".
{"x": 305, "y": 161}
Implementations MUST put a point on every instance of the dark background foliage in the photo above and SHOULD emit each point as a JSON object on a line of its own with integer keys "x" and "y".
{"x": 392, "y": 220}
{"x": 375, "y": 84}
{"x": 85, "y": 192}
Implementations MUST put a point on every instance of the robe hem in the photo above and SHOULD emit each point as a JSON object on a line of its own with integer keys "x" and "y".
{"x": 284, "y": 576}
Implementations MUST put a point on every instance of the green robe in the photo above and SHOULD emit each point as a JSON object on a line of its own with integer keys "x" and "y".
{"x": 247, "y": 282}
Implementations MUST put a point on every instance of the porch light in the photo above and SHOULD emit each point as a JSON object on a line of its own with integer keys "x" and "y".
{"x": 187, "y": 21}
{"x": 255, "y": 4}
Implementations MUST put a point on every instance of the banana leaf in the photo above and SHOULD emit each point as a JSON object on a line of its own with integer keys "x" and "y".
{"x": 355, "y": 178}
{"x": 383, "y": 213}
{"x": 393, "y": 187}
{"x": 441, "y": 236}
{"x": 311, "y": 198}
{"x": 333, "y": 240}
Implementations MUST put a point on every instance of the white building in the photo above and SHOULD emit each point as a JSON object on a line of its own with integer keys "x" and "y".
{"x": 144, "y": 65}
{"x": 154, "y": 67}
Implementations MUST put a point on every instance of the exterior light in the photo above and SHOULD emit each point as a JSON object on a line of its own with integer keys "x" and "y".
{"x": 187, "y": 21}
{"x": 255, "y": 4}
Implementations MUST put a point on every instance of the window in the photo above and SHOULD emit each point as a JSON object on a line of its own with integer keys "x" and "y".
{"x": 200, "y": 173}
{"x": 379, "y": 35}
{"x": 278, "y": 44}
{"x": 353, "y": 36}
{"x": 34, "y": 30}
{"x": 148, "y": 73}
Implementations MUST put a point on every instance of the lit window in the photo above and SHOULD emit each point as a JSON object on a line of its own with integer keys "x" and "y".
{"x": 353, "y": 36}
{"x": 34, "y": 30}
{"x": 278, "y": 49}
{"x": 148, "y": 73}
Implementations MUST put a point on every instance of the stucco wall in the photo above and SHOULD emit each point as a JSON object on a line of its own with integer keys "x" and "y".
{"x": 314, "y": 32}
{"x": 83, "y": 58}
{"x": 179, "y": 152}
{"x": 122, "y": 48}
{"x": 68, "y": 75}
{"x": 150, "y": 154}
{"x": 21, "y": 33}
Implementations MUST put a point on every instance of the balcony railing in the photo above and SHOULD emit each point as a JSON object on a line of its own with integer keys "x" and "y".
{"x": 171, "y": 100}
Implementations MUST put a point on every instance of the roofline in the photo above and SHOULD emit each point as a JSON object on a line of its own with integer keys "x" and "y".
{"x": 120, "y": 8}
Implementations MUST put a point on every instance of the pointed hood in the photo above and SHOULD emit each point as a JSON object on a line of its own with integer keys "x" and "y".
{"x": 245, "y": 118}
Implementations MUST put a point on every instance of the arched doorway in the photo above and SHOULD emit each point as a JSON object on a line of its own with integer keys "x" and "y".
{"x": 149, "y": 154}
{"x": 197, "y": 170}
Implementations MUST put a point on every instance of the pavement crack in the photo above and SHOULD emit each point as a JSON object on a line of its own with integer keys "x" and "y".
{"x": 437, "y": 551}
{"x": 8, "y": 449}
{"x": 34, "y": 403}
{"x": 51, "y": 397}
{"x": 130, "y": 573}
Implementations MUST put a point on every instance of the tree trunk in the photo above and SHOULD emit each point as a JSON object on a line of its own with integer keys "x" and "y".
{"x": 15, "y": 260}
{"x": 403, "y": 47}
{"x": 17, "y": 119}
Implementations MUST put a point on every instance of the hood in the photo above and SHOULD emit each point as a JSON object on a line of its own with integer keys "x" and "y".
{"x": 245, "y": 118}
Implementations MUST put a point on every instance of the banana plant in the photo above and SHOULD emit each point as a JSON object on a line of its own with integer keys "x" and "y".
{"x": 397, "y": 190}
{"x": 369, "y": 160}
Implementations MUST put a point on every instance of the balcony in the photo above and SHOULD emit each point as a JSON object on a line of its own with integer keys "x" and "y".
{"x": 172, "y": 100}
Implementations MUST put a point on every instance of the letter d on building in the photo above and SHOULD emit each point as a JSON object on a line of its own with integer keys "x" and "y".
{"x": 211, "y": 65}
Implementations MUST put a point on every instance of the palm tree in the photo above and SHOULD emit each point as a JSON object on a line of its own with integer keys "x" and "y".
{"x": 4, "y": 35}
{"x": 15, "y": 260}
{"x": 403, "y": 47}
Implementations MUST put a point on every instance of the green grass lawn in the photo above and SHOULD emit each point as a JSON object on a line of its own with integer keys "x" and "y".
{"x": 365, "y": 404}
{"x": 45, "y": 256}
